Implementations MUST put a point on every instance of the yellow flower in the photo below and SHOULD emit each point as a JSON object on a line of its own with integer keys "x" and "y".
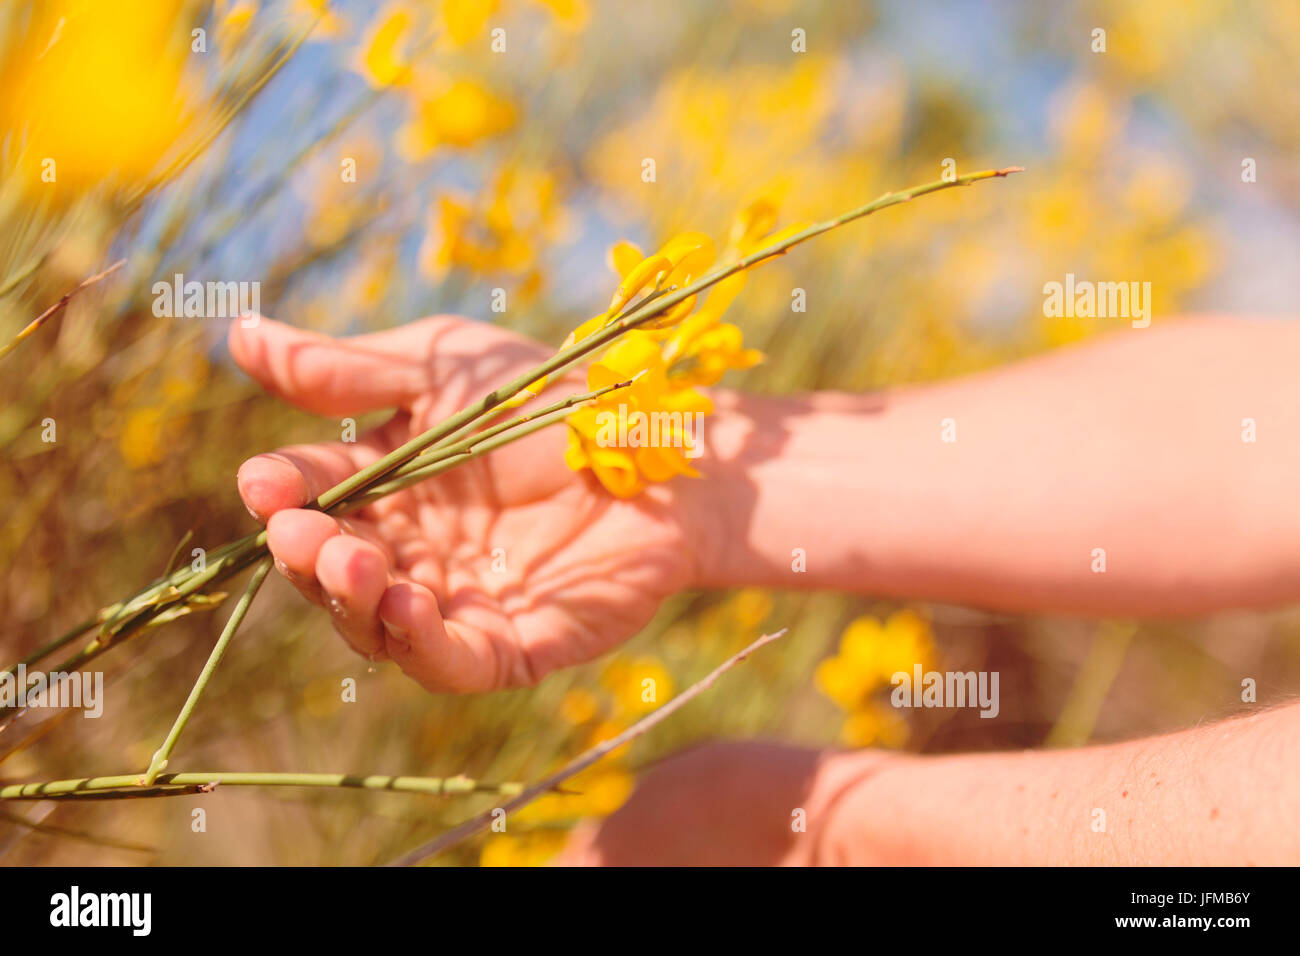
{"x": 639, "y": 685}
{"x": 525, "y": 849}
{"x": 870, "y": 653}
{"x": 141, "y": 441}
{"x": 453, "y": 113}
{"x": 93, "y": 95}
{"x": 595, "y": 792}
{"x": 579, "y": 706}
{"x": 385, "y": 54}
{"x": 876, "y": 724}
{"x": 447, "y": 242}
{"x": 906, "y": 642}
{"x": 703, "y": 347}
{"x": 754, "y": 221}
{"x": 465, "y": 20}
{"x": 664, "y": 361}
{"x": 683, "y": 258}
{"x": 640, "y": 433}
{"x": 751, "y": 607}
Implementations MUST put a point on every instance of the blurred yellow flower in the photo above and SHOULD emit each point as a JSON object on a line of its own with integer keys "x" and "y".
{"x": 141, "y": 442}
{"x": 595, "y": 792}
{"x": 579, "y": 706}
{"x": 384, "y": 59}
{"x": 93, "y": 96}
{"x": 456, "y": 113}
{"x": 534, "y": 848}
{"x": 335, "y": 204}
{"x": 751, "y": 607}
{"x": 638, "y": 685}
{"x": 870, "y": 653}
{"x": 465, "y": 20}
{"x": 874, "y": 725}
{"x": 503, "y": 230}
{"x": 371, "y": 278}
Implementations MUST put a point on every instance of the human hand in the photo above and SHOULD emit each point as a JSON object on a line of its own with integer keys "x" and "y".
{"x": 488, "y": 576}
{"x": 734, "y": 804}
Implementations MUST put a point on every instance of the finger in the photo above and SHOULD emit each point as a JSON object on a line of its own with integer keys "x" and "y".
{"x": 458, "y": 656}
{"x": 353, "y": 575}
{"x": 339, "y": 376}
{"x": 295, "y": 476}
{"x": 294, "y": 537}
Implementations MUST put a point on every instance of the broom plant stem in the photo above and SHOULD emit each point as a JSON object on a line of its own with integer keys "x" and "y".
{"x": 159, "y": 761}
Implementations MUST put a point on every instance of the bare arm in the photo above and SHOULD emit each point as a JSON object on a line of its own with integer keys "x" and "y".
{"x": 1219, "y": 794}
{"x": 1223, "y": 794}
{"x": 1133, "y": 445}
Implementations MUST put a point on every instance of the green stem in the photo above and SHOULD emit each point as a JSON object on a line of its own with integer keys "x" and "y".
{"x": 159, "y": 761}
{"x": 127, "y": 785}
{"x": 443, "y": 451}
{"x": 437, "y": 467}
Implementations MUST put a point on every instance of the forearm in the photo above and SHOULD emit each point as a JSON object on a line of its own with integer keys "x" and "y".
{"x": 1223, "y": 794}
{"x": 1004, "y": 489}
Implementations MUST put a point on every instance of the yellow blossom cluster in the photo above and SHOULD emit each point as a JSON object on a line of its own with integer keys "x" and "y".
{"x": 455, "y": 110}
{"x": 500, "y": 231}
{"x": 871, "y": 651}
{"x": 666, "y": 361}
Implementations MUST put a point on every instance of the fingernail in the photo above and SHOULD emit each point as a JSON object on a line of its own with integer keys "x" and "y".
{"x": 398, "y": 638}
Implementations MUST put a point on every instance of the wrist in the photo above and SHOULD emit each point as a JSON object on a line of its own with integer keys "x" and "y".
{"x": 783, "y": 499}
{"x": 714, "y": 521}
{"x": 852, "y": 829}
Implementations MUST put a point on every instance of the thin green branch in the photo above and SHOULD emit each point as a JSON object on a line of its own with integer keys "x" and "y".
{"x": 437, "y": 467}
{"x": 58, "y": 307}
{"x": 159, "y": 761}
{"x": 173, "y": 784}
{"x": 443, "y": 451}
{"x": 582, "y": 761}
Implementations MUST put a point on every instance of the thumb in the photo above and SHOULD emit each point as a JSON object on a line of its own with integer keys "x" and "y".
{"x": 331, "y": 376}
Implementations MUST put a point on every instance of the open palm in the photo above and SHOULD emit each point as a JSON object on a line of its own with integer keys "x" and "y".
{"x": 488, "y": 576}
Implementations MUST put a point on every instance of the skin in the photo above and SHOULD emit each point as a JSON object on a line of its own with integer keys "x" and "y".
{"x": 1132, "y": 444}
{"x": 411, "y": 578}
{"x": 1220, "y": 795}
